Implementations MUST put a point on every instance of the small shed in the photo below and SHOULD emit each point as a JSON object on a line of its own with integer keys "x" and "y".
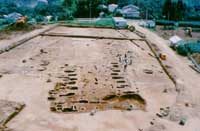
{"x": 151, "y": 24}
{"x": 148, "y": 24}
{"x": 175, "y": 40}
{"x": 120, "y": 22}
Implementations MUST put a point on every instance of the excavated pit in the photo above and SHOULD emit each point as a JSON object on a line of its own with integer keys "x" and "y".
{"x": 88, "y": 91}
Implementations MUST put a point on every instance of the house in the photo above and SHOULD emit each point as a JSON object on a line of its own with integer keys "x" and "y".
{"x": 131, "y": 11}
{"x": 13, "y": 16}
{"x": 112, "y": 7}
{"x": 120, "y": 22}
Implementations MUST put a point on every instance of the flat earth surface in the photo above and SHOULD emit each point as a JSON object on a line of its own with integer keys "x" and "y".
{"x": 85, "y": 68}
{"x": 166, "y": 34}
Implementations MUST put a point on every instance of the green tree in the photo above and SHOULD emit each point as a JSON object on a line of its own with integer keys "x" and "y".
{"x": 58, "y": 10}
{"x": 174, "y": 10}
{"x": 71, "y": 5}
{"x": 88, "y": 7}
{"x": 112, "y": 1}
{"x": 167, "y": 9}
{"x": 41, "y": 9}
{"x": 180, "y": 10}
{"x": 125, "y": 2}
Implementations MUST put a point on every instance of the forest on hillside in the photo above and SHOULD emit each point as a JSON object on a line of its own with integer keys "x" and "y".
{"x": 69, "y": 9}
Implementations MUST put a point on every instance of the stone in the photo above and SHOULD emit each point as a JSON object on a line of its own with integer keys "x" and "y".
{"x": 67, "y": 94}
{"x": 49, "y": 80}
{"x": 165, "y": 91}
{"x": 72, "y": 74}
{"x": 42, "y": 51}
{"x": 151, "y": 123}
{"x": 187, "y": 104}
{"x": 72, "y": 82}
{"x": 83, "y": 101}
{"x": 92, "y": 113}
{"x": 182, "y": 122}
{"x": 130, "y": 108}
{"x": 69, "y": 71}
{"x": 68, "y": 109}
{"x": 45, "y": 63}
{"x": 73, "y": 87}
{"x": 73, "y": 79}
{"x": 50, "y": 98}
{"x": 147, "y": 71}
{"x": 159, "y": 115}
{"x": 53, "y": 108}
{"x": 42, "y": 69}
{"x": 23, "y": 61}
{"x": 117, "y": 77}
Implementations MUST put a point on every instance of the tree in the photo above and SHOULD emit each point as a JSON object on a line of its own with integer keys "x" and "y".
{"x": 167, "y": 9}
{"x": 180, "y": 10}
{"x": 71, "y": 5}
{"x": 112, "y": 1}
{"x": 174, "y": 10}
{"x": 86, "y": 6}
{"x": 41, "y": 9}
{"x": 124, "y": 2}
{"x": 58, "y": 11}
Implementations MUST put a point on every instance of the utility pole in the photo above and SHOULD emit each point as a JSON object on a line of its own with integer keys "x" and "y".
{"x": 90, "y": 10}
{"x": 147, "y": 14}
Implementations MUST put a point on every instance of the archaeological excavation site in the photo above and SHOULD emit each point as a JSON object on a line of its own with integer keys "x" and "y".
{"x": 99, "y": 65}
{"x": 61, "y": 77}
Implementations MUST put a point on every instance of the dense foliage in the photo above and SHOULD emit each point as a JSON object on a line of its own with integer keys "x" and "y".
{"x": 67, "y": 9}
{"x": 174, "y": 10}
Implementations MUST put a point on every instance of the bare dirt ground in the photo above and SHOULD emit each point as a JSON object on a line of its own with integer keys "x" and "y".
{"x": 166, "y": 34}
{"x": 8, "y": 35}
{"x": 31, "y": 70}
{"x": 187, "y": 83}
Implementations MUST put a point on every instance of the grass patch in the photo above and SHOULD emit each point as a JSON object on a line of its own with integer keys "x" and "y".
{"x": 101, "y": 22}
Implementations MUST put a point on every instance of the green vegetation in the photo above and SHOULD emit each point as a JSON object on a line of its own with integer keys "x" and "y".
{"x": 180, "y": 23}
{"x": 102, "y": 22}
{"x": 188, "y": 47}
{"x": 174, "y": 10}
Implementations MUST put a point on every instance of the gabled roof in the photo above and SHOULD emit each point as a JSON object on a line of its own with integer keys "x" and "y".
{"x": 130, "y": 6}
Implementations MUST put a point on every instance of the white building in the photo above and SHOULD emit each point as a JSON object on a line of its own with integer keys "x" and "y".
{"x": 120, "y": 22}
{"x": 112, "y": 7}
{"x": 131, "y": 11}
{"x": 148, "y": 24}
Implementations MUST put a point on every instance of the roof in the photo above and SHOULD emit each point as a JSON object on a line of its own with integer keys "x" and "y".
{"x": 175, "y": 39}
{"x": 112, "y": 5}
{"x": 119, "y": 19}
{"x": 130, "y": 6}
